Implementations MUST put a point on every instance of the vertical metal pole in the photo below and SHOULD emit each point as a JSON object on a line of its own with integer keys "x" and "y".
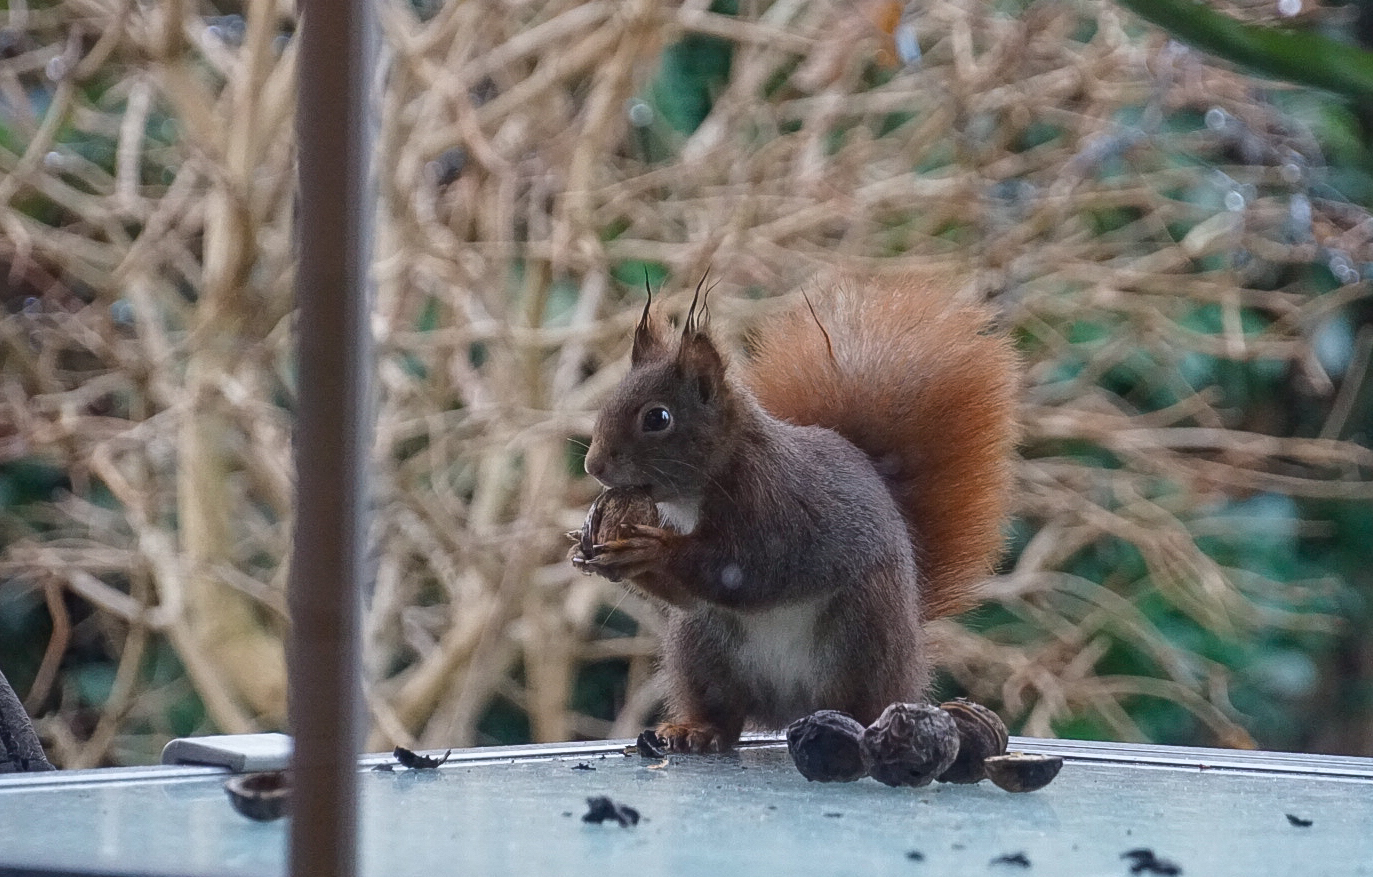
{"x": 333, "y": 428}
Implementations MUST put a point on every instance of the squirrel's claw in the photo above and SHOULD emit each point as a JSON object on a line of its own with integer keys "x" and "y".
{"x": 589, "y": 565}
{"x": 638, "y": 551}
{"x": 692, "y": 738}
{"x": 642, "y": 554}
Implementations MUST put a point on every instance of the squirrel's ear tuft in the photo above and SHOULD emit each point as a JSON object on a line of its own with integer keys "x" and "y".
{"x": 698, "y": 315}
{"x": 650, "y": 338}
{"x": 697, "y": 357}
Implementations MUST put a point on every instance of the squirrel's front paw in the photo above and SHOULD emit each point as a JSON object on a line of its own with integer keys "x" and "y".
{"x": 694, "y": 739}
{"x": 638, "y": 549}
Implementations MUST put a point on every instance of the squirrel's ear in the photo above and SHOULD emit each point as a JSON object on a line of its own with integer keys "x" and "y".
{"x": 697, "y": 357}
{"x": 650, "y": 338}
{"x": 702, "y": 364}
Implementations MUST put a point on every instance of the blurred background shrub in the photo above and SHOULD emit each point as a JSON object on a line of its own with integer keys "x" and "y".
{"x": 1181, "y": 250}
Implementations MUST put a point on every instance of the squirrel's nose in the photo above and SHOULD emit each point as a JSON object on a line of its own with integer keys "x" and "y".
{"x": 595, "y": 461}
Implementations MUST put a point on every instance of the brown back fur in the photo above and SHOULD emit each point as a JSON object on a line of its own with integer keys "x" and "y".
{"x": 923, "y": 386}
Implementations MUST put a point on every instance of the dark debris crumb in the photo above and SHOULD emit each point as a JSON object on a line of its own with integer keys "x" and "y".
{"x": 384, "y": 768}
{"x": 415, "y": 761}
{"x": 651, "y": 745}
{"x": 1299, "y": 822}
{"x": 583, "y": 765}
{"x": 834, "y": 815}
{"x": 915, "y": 855}
{"x": 600, "y": 809}
{"x": 1144, "y": 861}
{"x": 1020, "y": 860}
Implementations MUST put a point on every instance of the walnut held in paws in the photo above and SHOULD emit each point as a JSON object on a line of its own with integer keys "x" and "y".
{"x": 614, "y": 508}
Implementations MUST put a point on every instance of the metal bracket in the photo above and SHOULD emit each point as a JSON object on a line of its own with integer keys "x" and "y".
{"x": 240, "y": 753}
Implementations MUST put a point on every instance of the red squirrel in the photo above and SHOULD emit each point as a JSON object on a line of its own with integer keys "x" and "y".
{"x": 817, "y": 503}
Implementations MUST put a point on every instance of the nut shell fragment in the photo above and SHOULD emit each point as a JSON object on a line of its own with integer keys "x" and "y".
{"x": 261, "y": 796}
{"x": 827, "y": 747}
{"x": 981, "y": 735}
{"x": 1023, "y": 771}
{"x": 651, "y": 744}
{"x": 910, "y": 744}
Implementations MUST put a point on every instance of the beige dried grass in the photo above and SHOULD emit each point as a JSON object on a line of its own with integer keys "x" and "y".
{"x": 155, "y": 360}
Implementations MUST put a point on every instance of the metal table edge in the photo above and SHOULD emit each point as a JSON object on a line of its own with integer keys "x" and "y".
{"x": 1146, "y": 755}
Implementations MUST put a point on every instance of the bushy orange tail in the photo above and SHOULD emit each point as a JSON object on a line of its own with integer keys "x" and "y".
{"x": 928, "y": 391}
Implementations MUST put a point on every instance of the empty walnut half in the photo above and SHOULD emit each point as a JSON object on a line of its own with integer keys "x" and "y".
{"x": 260, "y": 796}
{"x": 1023, "y": 771}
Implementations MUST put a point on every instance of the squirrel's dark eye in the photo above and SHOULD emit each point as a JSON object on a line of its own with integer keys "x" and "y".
{"x": 657, "y": 419}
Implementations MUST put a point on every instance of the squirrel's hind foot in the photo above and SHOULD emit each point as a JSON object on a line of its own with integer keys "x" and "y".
{"x": 695, "y": 739}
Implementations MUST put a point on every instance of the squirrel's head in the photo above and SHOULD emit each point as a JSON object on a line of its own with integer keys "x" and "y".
{"x": 662, "y": 427}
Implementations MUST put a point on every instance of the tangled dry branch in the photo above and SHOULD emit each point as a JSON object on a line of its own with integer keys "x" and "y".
{"x": 526, "y": 175}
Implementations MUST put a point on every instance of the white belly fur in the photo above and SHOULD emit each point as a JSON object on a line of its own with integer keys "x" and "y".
{"x": 779, "y": 647}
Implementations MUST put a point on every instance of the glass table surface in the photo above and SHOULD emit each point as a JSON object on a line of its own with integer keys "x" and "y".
{"x": 517, "y": 811}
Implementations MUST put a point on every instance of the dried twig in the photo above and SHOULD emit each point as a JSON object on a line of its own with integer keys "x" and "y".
{"x": 525, "y": 168}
